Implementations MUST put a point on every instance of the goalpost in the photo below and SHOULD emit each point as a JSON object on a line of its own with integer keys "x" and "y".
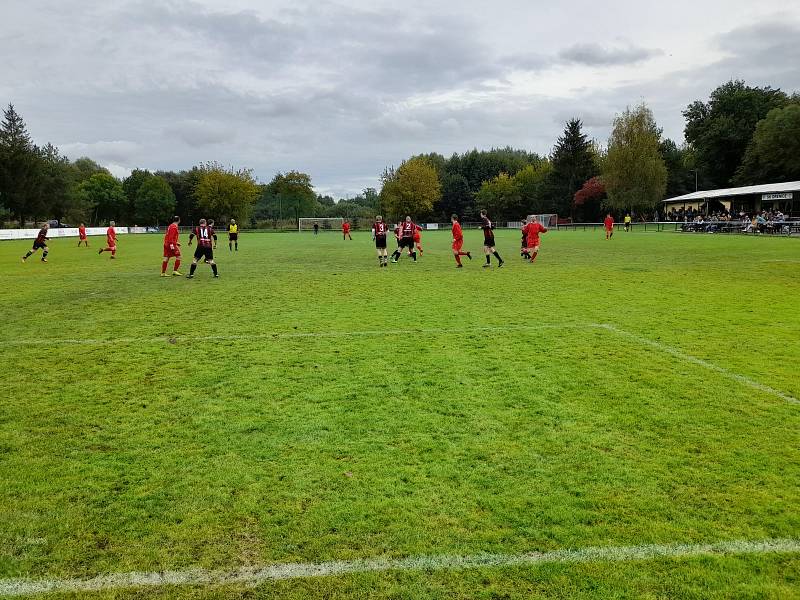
{"x": 324, "y": 223}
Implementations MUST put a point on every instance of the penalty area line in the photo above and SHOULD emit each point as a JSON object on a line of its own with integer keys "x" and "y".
{"x": 702, "y": 363}
{"x": 255, "y": 575}
{"x": 293, "y": 334}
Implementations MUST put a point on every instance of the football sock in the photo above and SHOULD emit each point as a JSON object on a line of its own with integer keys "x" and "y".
{"x": 192, "y": 268}
{"x": 44, "y": 254}
{"x": 488, "y": 259}
{"x": 458, "y": 259}
{"x": 164, "y": 266}
{"x": 497, "y": 256}
{"x": 177, "y": 264}
{"x": 28, "y": 254}
{"x": 214, "y": 268}
{"x": 414, "y": 256}
{"x": 237, "y": 246}
{"x": 533, "y": 256}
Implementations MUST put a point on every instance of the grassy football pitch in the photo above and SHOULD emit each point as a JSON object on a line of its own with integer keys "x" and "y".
{"x": 427, "y": 428}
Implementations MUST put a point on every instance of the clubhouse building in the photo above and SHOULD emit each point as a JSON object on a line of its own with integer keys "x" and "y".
{"x": 749, "y": 199}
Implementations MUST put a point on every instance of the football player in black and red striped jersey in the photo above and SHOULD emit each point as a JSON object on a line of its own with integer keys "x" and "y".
{"x": 488, "y": 241}
{"x": 406, "y": 240}
{"x": 205, "y": 247}
{"x": 379, "y": 231}
{"x": 40, "y": 242}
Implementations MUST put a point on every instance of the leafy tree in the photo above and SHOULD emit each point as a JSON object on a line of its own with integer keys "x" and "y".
{"x": 155, "y": 201}
{"x": 292, "y": 193}
{"x": 412, "y": 189}
{"x": 720, "y": 130}
{"x": 589, "y": 200}
{"x": 103, "y": 194}
{"x": 85, "y": 167}
{"x": 456, "y": 196}
{"x": 226, "y": 193}
{"x": 183, "y": 184}
{"x": 532, "y": 185}
{"x": 773, "y": 155}
{"x": 574, "y": 161}
{"x": 131, "y": 185}
{"x": 501, "y": 197}
{"x": 20, "y": 167}
{"x": 634, "y": 173}
{"x": 56, "y": 185}
{"x": 680, "y": 175}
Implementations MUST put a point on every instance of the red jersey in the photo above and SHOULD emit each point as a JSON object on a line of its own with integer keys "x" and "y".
{"x": 609, "y": 222}
{"x": 458, "y": 235}
{"x": 204, "y": 234}
{"x": 407, "y": 229}
{"x": 346, "y": 227}
{"x": 82, "y": 232}
{"x": 171, "y": 236}
{"x": 111, "y": 236}
{"x": 380, "y": 228}
{"x": 532, "y": 231}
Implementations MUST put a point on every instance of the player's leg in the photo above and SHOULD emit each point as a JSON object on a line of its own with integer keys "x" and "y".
{"x": 487, "y": 252}
{"x": 29, "y": 253}
{"x": 45, "y": 251}
{"x": 213, "y": 264}
{"x": 500, "y": 261}
{"x": 533, "y": 252}
{"x": 113, "y": 250}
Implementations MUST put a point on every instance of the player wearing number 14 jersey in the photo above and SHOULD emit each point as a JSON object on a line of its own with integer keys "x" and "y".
{"x": 205, "y": 247}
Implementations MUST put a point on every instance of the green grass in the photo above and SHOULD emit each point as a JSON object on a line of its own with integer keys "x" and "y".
{"x": 142, "y": 454}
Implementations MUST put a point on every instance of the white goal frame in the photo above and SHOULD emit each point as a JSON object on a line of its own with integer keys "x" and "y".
{"x": 307, "y": 223}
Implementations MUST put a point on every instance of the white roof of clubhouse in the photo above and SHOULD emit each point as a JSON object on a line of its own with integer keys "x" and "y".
{"x": 768, "y": 188}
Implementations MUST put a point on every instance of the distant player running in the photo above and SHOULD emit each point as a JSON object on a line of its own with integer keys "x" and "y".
{"x": 488, "y": 241}
{"x": 206, "y": 242}
{"x": 233, "y": 236}
{"x": 172, "y": 248}
{"x": 379, "y": 231}
{"x": 111, "y": 241}
{"x": 418, "y": 239}
{"x": 82, "y": 239}
{"x": 39, "y": 242}
{"x": 346, "y": 230}
{"x": 532, "y": 231}
{"x": 407, "y": 229}
{"x": 608, "y": 225}
{"x": 458, "y": 242}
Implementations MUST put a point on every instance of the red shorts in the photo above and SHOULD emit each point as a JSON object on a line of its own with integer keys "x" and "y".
{"x": 168, "y": 253}
{"x": 416, "y": 238}
{"x": 458, "y": 244}
{"x": 112, "y": 248}
{"x": 82, "y": 237}
{"x": 533, "y": 243}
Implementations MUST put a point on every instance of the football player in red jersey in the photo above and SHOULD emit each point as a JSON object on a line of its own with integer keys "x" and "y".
{"x": 406, "y": 239}
{"x": 532, "y": 231}
{"x": 418, "y": 239}
{"x": 172, "y": 248}
{"x": 111, "y": 241}
{"x": 346, "y": 230}
{"x": 205, "y": 247}
{"x": 488, "y": 241}
{"x": 379, "y": 231}
{"x": 458, "y": 242}
{"x": 608, "y": 224}
{"x": 39, "y": 242}
{"x": 82, "y": 239}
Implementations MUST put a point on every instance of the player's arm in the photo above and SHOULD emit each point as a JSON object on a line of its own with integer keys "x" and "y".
{"x": 191, "y": 235}
{"x": 214, "y": 235}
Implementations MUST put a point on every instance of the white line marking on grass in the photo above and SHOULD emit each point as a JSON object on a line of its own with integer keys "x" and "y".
{"x": 251, "y": 576}
{"x": 292, "y": 334}
{"x": 703, "y": 363}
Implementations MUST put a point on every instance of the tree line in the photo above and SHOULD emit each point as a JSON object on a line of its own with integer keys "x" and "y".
{"x": 741, "y": 135}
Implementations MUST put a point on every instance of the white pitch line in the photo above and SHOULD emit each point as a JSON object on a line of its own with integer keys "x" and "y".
{"x": 292, "y": 334}
{"x": 703, "y": 363}
{"x": 251, "y": 576}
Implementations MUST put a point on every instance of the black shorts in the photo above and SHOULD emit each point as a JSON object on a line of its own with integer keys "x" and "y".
{"x": 232, "y": 237}
{"x": 380, "y": 241}
{"x": 407, "y": 242}
{"x": 206, "y": 252}
{"x": 488, "y": 241}
{"x": 37, "y": 244}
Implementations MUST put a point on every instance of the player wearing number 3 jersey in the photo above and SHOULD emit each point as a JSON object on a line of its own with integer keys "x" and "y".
{"x": 379, "y": 231}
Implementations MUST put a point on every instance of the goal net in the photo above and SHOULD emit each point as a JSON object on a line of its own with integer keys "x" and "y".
{"x": 323, "y": 223}
{"x": 546, "y": 220}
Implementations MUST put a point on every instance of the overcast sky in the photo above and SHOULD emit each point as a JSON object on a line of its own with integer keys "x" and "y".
{"x": 340, "y": 90}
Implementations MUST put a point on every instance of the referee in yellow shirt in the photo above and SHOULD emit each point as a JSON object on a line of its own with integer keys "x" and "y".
{"x": 233, "y": 236}
{"x": 627, "y": 222}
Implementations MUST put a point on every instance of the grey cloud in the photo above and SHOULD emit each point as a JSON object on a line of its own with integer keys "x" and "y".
{"x": 198, "y": 132}
{"x": 117, "y": 151}
{"x": 598, "y": 55}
